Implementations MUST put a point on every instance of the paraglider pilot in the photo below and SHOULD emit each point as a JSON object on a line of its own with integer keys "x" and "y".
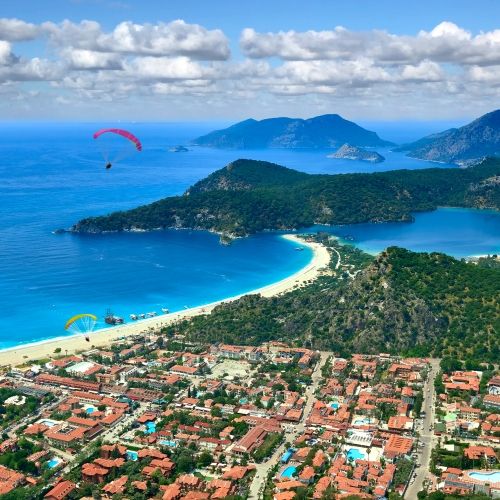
{"x": 108, "y": 165}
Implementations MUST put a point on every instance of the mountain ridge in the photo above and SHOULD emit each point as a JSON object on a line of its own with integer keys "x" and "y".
{"x": 472, "y": 142}
{"x": 323, "y": 131}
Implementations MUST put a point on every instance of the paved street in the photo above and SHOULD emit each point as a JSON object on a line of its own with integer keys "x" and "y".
{"x": 263, "y": 469}
{"x": 426, "y": 436}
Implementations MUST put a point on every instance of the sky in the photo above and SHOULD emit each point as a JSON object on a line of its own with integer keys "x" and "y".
{"x": 173, "y": 60}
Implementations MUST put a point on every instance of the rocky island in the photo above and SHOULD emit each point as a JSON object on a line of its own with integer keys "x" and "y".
{"x": 178, "y": 149}
{"x": 325, "y": 131}
{"x": 348, "y": 152}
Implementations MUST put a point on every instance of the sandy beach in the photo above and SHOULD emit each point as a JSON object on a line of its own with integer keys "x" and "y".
{"x": 38, "y": 350}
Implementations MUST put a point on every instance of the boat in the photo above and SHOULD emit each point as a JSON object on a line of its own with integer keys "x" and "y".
{"x": 151, "y": 314}
{"x": 134, "y": 317}
{"x": 164, "y": 310}
{"x": 111, "y": 319}
{"x": 142, "y": 316}
{"x": 299, "y": 249}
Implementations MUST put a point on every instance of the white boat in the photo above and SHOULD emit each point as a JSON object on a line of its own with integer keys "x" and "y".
{"x": 134, "y": 317}
{"x": 164, "y": 310}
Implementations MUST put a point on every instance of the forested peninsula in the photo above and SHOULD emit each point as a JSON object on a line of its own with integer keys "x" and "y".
{"x": 249, "y": 196}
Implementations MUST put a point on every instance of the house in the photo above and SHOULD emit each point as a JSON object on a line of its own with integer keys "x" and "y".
{"x": 251, "y": 440}
{"x": 481, "y": 452}
{"x": 10, "y": 479}
{"x": 492, "y": 401}
{"x": 397, "y": 446}
{"x": 116, "y": 487}
{"x": 60, "y": 490}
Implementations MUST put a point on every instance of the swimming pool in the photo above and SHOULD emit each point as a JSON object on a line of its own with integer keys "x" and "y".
{"x": 90, "y": 410}
{"x": 486, "y": 477}
{"x": 150, "y": 427}
{"x": 289, "y": 472}
{"x": 363, "y": 421}
{"x": 243, "y": 401}
{"x": 166, "y": 442}
{"x": 132, "y": 455}
{"x": 354, "y": 454}
{"x": 335, "y": 405}
{"x": 54, "y": 462}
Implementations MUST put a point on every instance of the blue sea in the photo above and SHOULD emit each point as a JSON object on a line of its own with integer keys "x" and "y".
{"x": 53, "y": 175}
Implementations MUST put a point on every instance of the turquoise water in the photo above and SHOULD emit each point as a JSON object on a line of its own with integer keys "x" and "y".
{"x": 53, "y": 175}
{"x": 166, "y": 442}
{"x": 362, "y": 421}
{"x": 289, "y": 472}
{"x": 335, "y": 406}
{"x": 150, "y": 427}
{"x": 354, "y": 454}
{"x": 459, "y": 232}
{"x": 490, "y": 477}
{"x": 53, "y": 462}
{"x": 90, "y": 410}
{"x": 132, "y": 455}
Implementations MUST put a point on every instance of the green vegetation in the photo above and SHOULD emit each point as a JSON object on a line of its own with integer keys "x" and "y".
{"x": 267, "y": 447}
{"x": 401, "y": 302}
{"x": 249, "y": 196}
{"x": 17, "y": 459}
{"x": 13, "y": 413}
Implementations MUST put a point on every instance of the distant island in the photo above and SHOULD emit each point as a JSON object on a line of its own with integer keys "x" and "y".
{"x": 326, "y": 131}
{"x": 464, "y": 146}
{"x": 348, "y": 152}
{"x": 178, "y": 149}
{"x": 249, "y": 196}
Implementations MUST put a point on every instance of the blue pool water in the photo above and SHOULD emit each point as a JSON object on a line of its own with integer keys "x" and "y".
{"x": 166, "y": 442}
{"x": 52, "y": 176}
{"x": 362, "y": 421}
{"x": 243, "y": 401}
{"x": 335, "y": 405}
{"x": 53, "y": 462}
{"x": 490, "y": 477}
{"x": 90, "y": 410}
{"x": 289, "y": 472}
{"x": 150, "y": 427}
{"x": 354, "y": 454}
{"x": 132, "y": 455}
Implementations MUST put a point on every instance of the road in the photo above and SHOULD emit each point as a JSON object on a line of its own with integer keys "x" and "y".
{"x": 426, "y": 436}
{"x": 293, "y": 431}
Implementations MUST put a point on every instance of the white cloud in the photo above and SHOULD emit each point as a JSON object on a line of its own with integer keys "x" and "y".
{"x": 91, "y": 60}
{"x": 176, "y": 38}
{"x": 445, "y": 43}
{"x": 15, "y": 30}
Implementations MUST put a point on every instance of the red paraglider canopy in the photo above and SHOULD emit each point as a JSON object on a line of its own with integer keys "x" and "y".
{"x": 123, "y": 133}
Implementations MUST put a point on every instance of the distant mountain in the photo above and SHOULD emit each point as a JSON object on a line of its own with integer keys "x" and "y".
{"x": 348, "y": 152}
{"x": 249, "y": 196}
{"x": 326, "y": 131}
{"x": 463, "y": 145}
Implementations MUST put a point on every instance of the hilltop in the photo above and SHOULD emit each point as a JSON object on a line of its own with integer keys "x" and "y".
{"x": 463, "y": 145}
{"x": 326, "y": 131}
{"x": 249, "y": 196}
{"x": 399, "y": 302}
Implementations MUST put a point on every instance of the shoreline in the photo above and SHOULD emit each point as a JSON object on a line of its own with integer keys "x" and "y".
{"x": 25, "y": 353}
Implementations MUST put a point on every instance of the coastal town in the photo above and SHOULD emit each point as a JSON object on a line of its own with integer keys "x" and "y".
{"x": 160, "y": 417}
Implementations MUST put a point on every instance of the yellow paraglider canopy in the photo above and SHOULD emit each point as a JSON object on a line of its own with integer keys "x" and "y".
{"x": 90, "y": 320}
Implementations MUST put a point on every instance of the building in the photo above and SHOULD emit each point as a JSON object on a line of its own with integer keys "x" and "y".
{"x": 60, "y": 490}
